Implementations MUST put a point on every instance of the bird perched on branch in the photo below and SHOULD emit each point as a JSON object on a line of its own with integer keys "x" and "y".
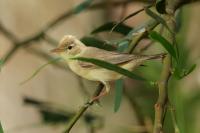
{"x": 70, "y": 47}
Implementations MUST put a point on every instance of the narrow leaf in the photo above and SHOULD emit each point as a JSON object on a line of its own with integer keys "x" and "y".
{"x": 82, "y": 6}
{"x": 91, "y": 41}
{"x": 39, "y": 69}
{"x": 1, "y": 128}
{"x": 191, "y": 69}
{"x": 165, "y": 43}
{"x": 1, "y": 64}
{"x": 110, "y": 66}
{"x": 118, "y": 94}
{"x": 121, "y": 28}
{"x": 185, "y": 73}
{"x": 157, "y": 18}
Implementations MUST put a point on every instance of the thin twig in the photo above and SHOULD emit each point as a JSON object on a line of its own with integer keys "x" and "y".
{"x": 83, "y": 109}
{"x": 174, "y": 121}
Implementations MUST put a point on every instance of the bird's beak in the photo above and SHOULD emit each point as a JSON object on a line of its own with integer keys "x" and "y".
{"x": 57, "y": 50}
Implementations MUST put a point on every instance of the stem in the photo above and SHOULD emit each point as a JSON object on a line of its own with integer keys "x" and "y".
{"x": 83, "y": 109}
{"x": 161, "y": 104}
{"x": 10, "y": 53}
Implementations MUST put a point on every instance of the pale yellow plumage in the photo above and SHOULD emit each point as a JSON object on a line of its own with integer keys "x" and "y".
{"x": 70, "y": 47}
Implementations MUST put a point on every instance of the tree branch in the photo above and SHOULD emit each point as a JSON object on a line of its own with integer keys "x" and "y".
{"x": 83, "y": 109}
{"x": 161, "y": 104}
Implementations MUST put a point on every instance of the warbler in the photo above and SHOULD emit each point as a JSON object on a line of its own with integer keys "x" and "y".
{"x": 70, "y": 47}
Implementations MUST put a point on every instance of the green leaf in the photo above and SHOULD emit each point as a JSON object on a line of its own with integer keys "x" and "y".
{"x": 118, "y": 94}
{"x": 91, "y": 41}
{"x": 166, "y": 44}
{"x": 1, "y": 128}
{"x": 1, "y": 64}
{"x": 121, "y": 28}
{"x": 82, "y": 6}
{"x": 39, "y": 69}
{"x": 157, "y": 18}
{"x": 110, "y": 66}
{"x": 181, "y": 73}
{"x": 191, "y": 69}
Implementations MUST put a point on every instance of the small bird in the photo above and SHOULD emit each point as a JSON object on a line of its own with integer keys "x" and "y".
{"x": 70, "y": 47}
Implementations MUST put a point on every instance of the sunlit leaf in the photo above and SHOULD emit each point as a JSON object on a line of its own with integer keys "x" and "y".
{"x": 94, "y": 42}
{"x": 39, "y": 69}
{"x": 165, "y": 43}
{"x": 110, "y": 66}
{"x": 1, "y": 128}
{"x": 121, "y": 28}
{"x": 157, "y": 18}
{"x": 118, "y": 94}
{"x": 82, "y": 6}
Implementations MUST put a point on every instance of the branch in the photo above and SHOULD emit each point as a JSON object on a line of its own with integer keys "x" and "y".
{"x": 161, "y": 104}
{"x": 83, "y": 109}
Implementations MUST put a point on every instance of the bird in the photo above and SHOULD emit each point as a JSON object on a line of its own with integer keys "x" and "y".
{"x": 70, "y": 47}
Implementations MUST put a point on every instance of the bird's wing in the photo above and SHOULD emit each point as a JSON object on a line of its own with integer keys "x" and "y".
{"x": 108, "y": 56}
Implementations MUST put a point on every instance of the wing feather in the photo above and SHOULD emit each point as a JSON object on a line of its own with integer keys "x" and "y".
{"x": 108, "y": 56}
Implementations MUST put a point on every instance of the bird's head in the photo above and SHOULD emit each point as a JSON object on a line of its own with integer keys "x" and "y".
{"x": 69, "y": 46}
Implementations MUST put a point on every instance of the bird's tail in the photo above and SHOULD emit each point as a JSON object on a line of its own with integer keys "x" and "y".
{"x": 156, "y": 56}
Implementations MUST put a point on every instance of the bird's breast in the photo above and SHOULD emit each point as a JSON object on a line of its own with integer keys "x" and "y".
{"x": 76, "y": 68}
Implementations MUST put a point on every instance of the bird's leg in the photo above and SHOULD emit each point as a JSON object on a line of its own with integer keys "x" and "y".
{"x": 104, "y": 92}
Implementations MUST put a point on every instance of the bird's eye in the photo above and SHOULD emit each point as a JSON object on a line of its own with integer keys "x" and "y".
{"x": 69, "y": 47}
